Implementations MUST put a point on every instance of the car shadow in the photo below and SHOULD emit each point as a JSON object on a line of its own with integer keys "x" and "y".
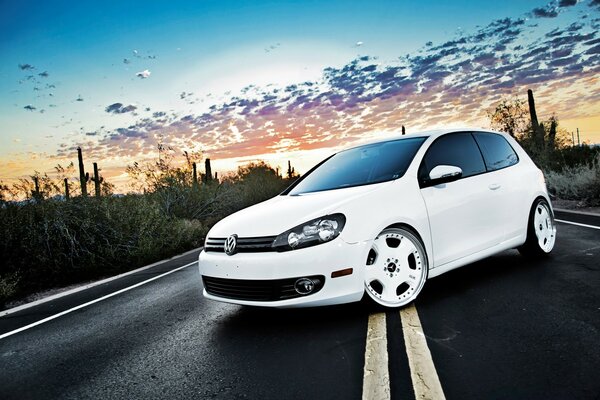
{"x": 501, "y": 269}
{"x": 292, "y": 353}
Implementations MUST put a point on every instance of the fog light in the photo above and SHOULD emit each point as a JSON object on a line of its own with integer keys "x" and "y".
{"x": 304, "y": 286}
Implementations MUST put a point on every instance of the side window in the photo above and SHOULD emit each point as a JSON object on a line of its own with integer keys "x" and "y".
{"x": 458, "y": 149}
{"x": 497, "y": 152}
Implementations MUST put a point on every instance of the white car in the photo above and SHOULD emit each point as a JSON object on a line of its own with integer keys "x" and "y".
{"x": 381, "y": 218}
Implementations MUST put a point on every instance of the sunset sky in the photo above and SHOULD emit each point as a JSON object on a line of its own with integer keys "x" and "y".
{"x": 277, "y": 80}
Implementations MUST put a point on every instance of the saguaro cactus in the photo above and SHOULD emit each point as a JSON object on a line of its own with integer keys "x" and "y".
{"x": 537, "y": 129}
{"x": 36, "y": 191}
{"x": 532, "y": 111}
{"x": 207, "y": 170}
{"x": 194, "y": 175}
{"x": 82, "y": 176}
{"x": 66, "y": 188}
{"x": 97, "y": 181}
{"x": 551, "y": 135}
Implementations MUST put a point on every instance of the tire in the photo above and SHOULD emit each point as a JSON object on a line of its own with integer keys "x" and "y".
{"x": 541, "y": 230}
{"x": 396, "y": 269}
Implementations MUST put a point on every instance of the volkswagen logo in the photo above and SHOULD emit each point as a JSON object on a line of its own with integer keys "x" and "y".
{"x": 230, "y": 245}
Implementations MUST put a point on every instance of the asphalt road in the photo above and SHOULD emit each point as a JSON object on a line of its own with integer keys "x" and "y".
{"x": 502, "y": 328}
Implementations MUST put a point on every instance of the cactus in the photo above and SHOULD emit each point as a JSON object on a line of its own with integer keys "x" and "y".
{"x": 97, "y": 180}
{"x": 290, "y": 170}
{"x": 36, "y": 191}
{"x": 403, "y": 130}
{"x": 216, "y": 177}
{"x": 83, "y": 177}
{"x": 551, "y": 135}
{"x": 66, "y": 188}
{"x": 194, "y": 175}
{"x": 532, "y": 112}
{"x": 207, "y": 170}
{"x": 537, "y": 129}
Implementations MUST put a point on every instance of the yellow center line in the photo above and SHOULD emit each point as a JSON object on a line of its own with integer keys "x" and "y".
{"x": 426, "y": 382}
{"x": 376, "y": 380}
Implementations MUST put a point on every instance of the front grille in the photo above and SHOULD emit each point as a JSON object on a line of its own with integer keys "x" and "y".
{"x": 258, "y": 290}
{"x": 244, "y": 245}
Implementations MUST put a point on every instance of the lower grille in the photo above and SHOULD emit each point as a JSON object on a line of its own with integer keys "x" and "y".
{"x": 258, "y": 290}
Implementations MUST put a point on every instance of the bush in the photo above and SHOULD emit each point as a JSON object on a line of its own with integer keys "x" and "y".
{"x": 59, "y": 243}
{"x": 51, "y": 243}
{"x": 580, "y": 182}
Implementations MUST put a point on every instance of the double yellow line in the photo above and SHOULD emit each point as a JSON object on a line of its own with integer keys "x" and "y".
{"x": 376, "y": 379}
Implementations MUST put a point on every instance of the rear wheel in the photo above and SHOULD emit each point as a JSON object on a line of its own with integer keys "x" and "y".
{"x": 396, "y": 268}
{"x": 541, "y": 230}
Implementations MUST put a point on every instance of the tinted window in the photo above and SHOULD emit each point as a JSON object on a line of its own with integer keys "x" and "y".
{"x": 363, "y": 165}
{"x": 497, "y": 153}
{"x": 458, "y": 149}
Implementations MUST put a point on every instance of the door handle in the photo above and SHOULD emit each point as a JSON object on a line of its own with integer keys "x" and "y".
{"x": 494, "y": 186}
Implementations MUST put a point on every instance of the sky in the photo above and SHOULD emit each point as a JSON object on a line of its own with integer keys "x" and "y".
{"x": 277, "y": 80}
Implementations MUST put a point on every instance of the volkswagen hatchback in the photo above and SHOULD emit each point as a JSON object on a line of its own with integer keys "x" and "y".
{"x": 381, "y": 219}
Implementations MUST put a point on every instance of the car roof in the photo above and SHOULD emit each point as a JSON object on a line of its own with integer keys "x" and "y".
{"x": 433, "y": 133}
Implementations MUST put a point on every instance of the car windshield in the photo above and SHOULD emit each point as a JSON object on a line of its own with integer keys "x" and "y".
{"x": 364, "y": 165}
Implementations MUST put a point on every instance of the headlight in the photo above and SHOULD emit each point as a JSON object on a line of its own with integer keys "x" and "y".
{"x": 316, "y": 231}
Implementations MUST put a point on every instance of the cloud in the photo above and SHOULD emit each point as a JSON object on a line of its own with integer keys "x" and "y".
{"x": 119, "y": 108}
{"x": 545, "y": 12}
{"x": 26, "y": 67}
{"x": 272, "y": 47}
{"x": 143, "y": 74}
{"x": 567, "y": 3}
{"x": 456, "y": 80}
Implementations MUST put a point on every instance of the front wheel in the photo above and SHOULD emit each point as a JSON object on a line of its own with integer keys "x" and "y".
{"x": 396, "y": 268}
{"x": 541, "y": 230}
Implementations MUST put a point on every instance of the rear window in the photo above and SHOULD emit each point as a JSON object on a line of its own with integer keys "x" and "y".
{"x": 363, "y": 165}
{"x": 497, "y": 152}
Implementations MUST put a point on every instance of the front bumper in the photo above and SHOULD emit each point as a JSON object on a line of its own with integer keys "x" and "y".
{"x": 322, "y": 260}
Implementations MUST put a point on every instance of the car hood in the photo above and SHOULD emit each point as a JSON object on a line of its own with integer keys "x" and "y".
{"x": 281, "y": 213}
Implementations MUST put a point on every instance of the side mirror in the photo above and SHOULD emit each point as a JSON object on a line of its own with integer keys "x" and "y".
{"x": 443, "y": 174}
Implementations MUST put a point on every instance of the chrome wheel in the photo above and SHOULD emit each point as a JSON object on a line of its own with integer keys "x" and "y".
{"x": 545, "y": 229}
{"x": 396, "y": 268}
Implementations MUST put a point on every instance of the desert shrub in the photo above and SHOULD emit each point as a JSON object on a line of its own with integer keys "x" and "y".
{"x": 253, "y": 183}
{"x": 52, "y": 243}
{"x": 580, "y": 182}
{"x": 58, "y": 243}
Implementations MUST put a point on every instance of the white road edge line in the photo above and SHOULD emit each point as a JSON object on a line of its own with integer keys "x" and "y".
{"x": 91, "y": 285}
{"x": 70, "y": 310}
{"x": 577, "y": 223}
{"x": 426, "y": 382}
{"x": 376, "y": 380}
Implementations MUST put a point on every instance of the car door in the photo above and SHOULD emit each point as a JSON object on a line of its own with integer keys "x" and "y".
{"x": 499, "y": 157}
{"x": 463, "y": 214}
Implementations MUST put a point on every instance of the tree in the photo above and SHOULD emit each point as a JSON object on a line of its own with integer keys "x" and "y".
{"x": 4, "y": 192}
{"x": 510, "y": 116}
